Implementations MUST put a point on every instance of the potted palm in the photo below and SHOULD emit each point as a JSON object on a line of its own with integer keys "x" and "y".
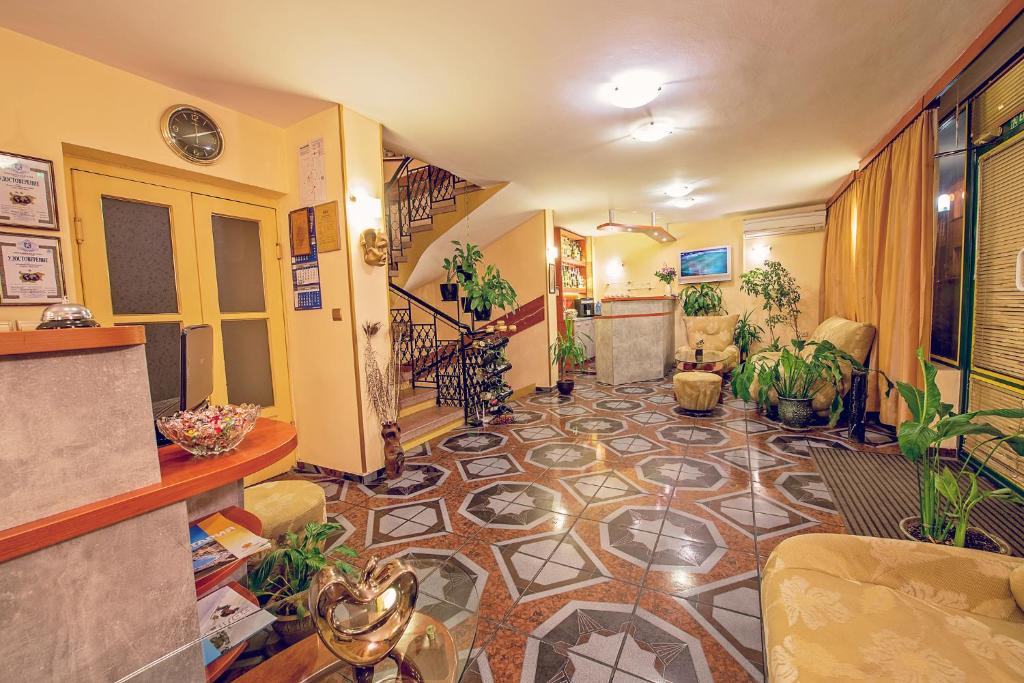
{"x": 281, "y": 580}
{"x": 568, "y": 353}
{"x": 746, "y": 334}
{"x": 488, "y": 291}
{"x": 947, "y": 498}
{"x": 795, "y": 374}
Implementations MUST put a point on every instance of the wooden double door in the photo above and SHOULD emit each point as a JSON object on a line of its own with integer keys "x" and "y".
{"x": 164, "y": 258}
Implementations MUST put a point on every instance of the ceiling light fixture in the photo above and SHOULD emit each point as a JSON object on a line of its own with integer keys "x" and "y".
{"x": 632, "y": 89}
{"x": 679, "y": 190}
{"x": 683, "y": 202}
{"x": 651, "y": 130}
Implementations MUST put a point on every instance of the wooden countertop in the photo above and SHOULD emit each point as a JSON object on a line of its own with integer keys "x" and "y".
{"x": 49, "y": 341}
{"x": 611, "y": 299}
{"x": 181, "y": 477}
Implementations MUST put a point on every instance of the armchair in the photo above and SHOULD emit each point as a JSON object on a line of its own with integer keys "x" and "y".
{"x": 716, "y": 332}
{"x": 852, "y": 337}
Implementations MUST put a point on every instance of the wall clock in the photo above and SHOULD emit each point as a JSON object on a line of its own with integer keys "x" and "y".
{"x": 192, "y": 134}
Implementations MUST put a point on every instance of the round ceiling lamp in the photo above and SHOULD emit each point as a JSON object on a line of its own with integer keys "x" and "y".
{"x": 678, "y": 190}
{"x": 633, "y": 89}
{"x": 683, "y": 202}
{"x": 651, "y": 130}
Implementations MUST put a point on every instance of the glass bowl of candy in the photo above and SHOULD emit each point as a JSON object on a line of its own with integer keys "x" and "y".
{"x": 210, "y": 431}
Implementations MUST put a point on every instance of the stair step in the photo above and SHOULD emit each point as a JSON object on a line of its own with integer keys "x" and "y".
{"x": 429, "y": 424}
{"x": 399, "y": 259}
{"x": 421, "y": 227}
{"x": 412, "y": 400}
{"x": 465, "y": 189}
{"x": 442, "y": 208}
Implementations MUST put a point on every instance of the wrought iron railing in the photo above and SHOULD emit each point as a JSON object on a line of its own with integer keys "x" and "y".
{"x": 412, "y": 194}
{"x": 437, "y": 351}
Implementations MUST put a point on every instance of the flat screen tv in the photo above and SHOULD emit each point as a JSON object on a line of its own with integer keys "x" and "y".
{"x": 713, "y": 264}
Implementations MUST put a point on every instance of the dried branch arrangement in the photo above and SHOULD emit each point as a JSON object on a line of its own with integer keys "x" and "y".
{"x": 383, "y": 386}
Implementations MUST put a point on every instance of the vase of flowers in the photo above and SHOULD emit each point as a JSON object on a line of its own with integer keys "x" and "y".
{"x": 666, "y": 274}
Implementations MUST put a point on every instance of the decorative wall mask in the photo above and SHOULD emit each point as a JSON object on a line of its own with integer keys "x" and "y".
{"x": 375, "y": 247}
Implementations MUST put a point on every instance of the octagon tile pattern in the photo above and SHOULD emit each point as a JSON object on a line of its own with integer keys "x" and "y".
{"x": 607, "y": 537}
{"x": 563, "y": 456}
{"x": 682, "y": 473}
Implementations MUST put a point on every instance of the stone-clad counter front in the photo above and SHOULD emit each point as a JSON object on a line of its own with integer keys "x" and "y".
{"x": 635, "y": 338}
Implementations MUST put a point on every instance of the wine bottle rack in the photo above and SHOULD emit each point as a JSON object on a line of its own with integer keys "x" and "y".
{"x": 489, "y": 365}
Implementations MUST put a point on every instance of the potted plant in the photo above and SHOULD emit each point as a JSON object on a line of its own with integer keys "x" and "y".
{"x": 947, "y": 498}
{"x": 488, "y": 291}
{"x": 459, "y": 269}
{"x": 704, "y": 298}
{"x": 567, "y": 353}
{"x": 796, "y": 374}
{"x": 450, "y": 286}
{"x": 282, "y": 578}
{"x": 746, "y": 334}
{"x": 666, "y": 274}
{"x": 781, "y": 294}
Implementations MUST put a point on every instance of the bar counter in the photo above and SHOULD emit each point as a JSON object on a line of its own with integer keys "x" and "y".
{"x": 635, "y": 338}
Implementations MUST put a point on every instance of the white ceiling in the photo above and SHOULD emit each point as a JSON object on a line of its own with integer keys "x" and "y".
{"x": 775, "y": 100}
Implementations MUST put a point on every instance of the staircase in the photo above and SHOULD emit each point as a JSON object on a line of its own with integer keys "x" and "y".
{"x": 438, "y": 360}
{"x": 416, "y": 193}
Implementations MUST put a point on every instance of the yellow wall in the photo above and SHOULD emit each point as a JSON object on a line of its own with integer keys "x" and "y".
{"x": 65, "y": 99}
{"x": 520, "y": 254}
{"x": 75, "y": 105}
{"x": 640, "y": 256}
{"x": 369, "y": 284}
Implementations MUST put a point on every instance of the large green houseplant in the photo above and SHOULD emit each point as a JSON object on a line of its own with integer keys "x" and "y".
{"x": 947, "y": 498}
{"x": 459, "y": 268}
{"x": 489, "y": 290}
{"x": 568, "y": 353}
{"x": 704, "y": 298}
{"x": 796, "y": 375}
{"x": 281, "y": 580}
{"x": 780, "y": 293}
{"x": 746, "y": 334}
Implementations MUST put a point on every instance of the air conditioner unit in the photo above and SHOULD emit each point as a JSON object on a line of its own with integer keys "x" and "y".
{"x": 805, "y": 219}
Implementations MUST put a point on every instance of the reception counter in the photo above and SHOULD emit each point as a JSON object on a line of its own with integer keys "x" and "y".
{"x": 95, "y": 564}
{"x": 635, "y": 338}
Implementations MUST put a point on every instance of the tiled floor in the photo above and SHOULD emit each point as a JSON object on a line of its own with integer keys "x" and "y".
{"x": 614, "y": 538}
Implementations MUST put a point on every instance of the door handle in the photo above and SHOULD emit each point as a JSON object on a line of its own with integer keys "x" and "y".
{"x": 1019, "y": 275}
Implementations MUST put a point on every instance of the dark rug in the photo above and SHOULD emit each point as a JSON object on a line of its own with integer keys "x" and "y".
{"x": 874, "y": 491}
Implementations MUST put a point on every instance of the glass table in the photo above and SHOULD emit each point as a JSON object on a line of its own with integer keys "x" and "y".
{"x": 436, "y": 646}
{"x": 710, "y": 361}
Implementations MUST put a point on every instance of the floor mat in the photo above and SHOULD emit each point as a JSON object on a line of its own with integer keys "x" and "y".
{"x": 874, "y": 491}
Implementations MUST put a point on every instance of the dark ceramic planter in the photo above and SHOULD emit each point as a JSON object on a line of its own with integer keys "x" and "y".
{"x": 483, "y": 315}
{"x": 449, "y": 292}
{"x": 466, "y": 306}
{"x": 795, "y": 413}
{"x": 565, "y": 386}
{"x": 293, "y": 628}
{"x": 989, "y": 542}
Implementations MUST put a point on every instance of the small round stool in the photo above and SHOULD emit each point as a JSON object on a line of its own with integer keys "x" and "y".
{"x": 697, "y": 392}
{"x": 285, "y": 506}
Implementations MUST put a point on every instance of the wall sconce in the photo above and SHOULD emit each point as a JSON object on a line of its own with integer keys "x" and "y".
{"x": 552, "y": 254}
{"x": 943, "y": 202}
{"x": 614, "y": 269}
{"x": 364, "y": 210}
{"x": 759, "y": 253}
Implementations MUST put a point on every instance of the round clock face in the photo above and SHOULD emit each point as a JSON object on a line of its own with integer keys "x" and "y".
{"x": 193, "y": 135}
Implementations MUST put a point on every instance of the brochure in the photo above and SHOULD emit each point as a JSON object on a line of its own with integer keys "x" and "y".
{"x": 206, "y": 552}
{"x": 228, "y": 618}
{"x": 234, "y": 537}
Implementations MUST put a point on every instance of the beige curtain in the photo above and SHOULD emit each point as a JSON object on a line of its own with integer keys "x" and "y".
{"x": 879, "y": 258}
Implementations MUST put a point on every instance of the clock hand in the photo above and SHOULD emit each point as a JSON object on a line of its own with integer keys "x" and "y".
{"x": 196, "y": 135}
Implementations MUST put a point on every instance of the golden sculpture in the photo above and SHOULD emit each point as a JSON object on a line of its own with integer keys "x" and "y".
{"x": 361, "y": 620}
{"x": 375, "y": 247}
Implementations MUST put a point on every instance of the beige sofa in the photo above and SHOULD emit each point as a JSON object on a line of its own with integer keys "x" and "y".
{"x": 851, "y": 337}
{"x": 850, "y": 608}
{"x": 716, "y": 332}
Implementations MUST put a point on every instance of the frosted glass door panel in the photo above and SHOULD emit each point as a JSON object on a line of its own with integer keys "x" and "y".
{"x": 236, "y": 246}
{"x": 247, "y": 362}
{"x": 140, "y": 257}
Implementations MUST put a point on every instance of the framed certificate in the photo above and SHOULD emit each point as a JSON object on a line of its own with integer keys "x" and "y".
{"x": 28, "y": 198}
{"x": 30, "y": 270}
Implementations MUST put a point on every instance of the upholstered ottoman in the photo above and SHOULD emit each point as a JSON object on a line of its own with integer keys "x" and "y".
{"x": 286, "y": 506}
{"x": 697, "y": 391}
